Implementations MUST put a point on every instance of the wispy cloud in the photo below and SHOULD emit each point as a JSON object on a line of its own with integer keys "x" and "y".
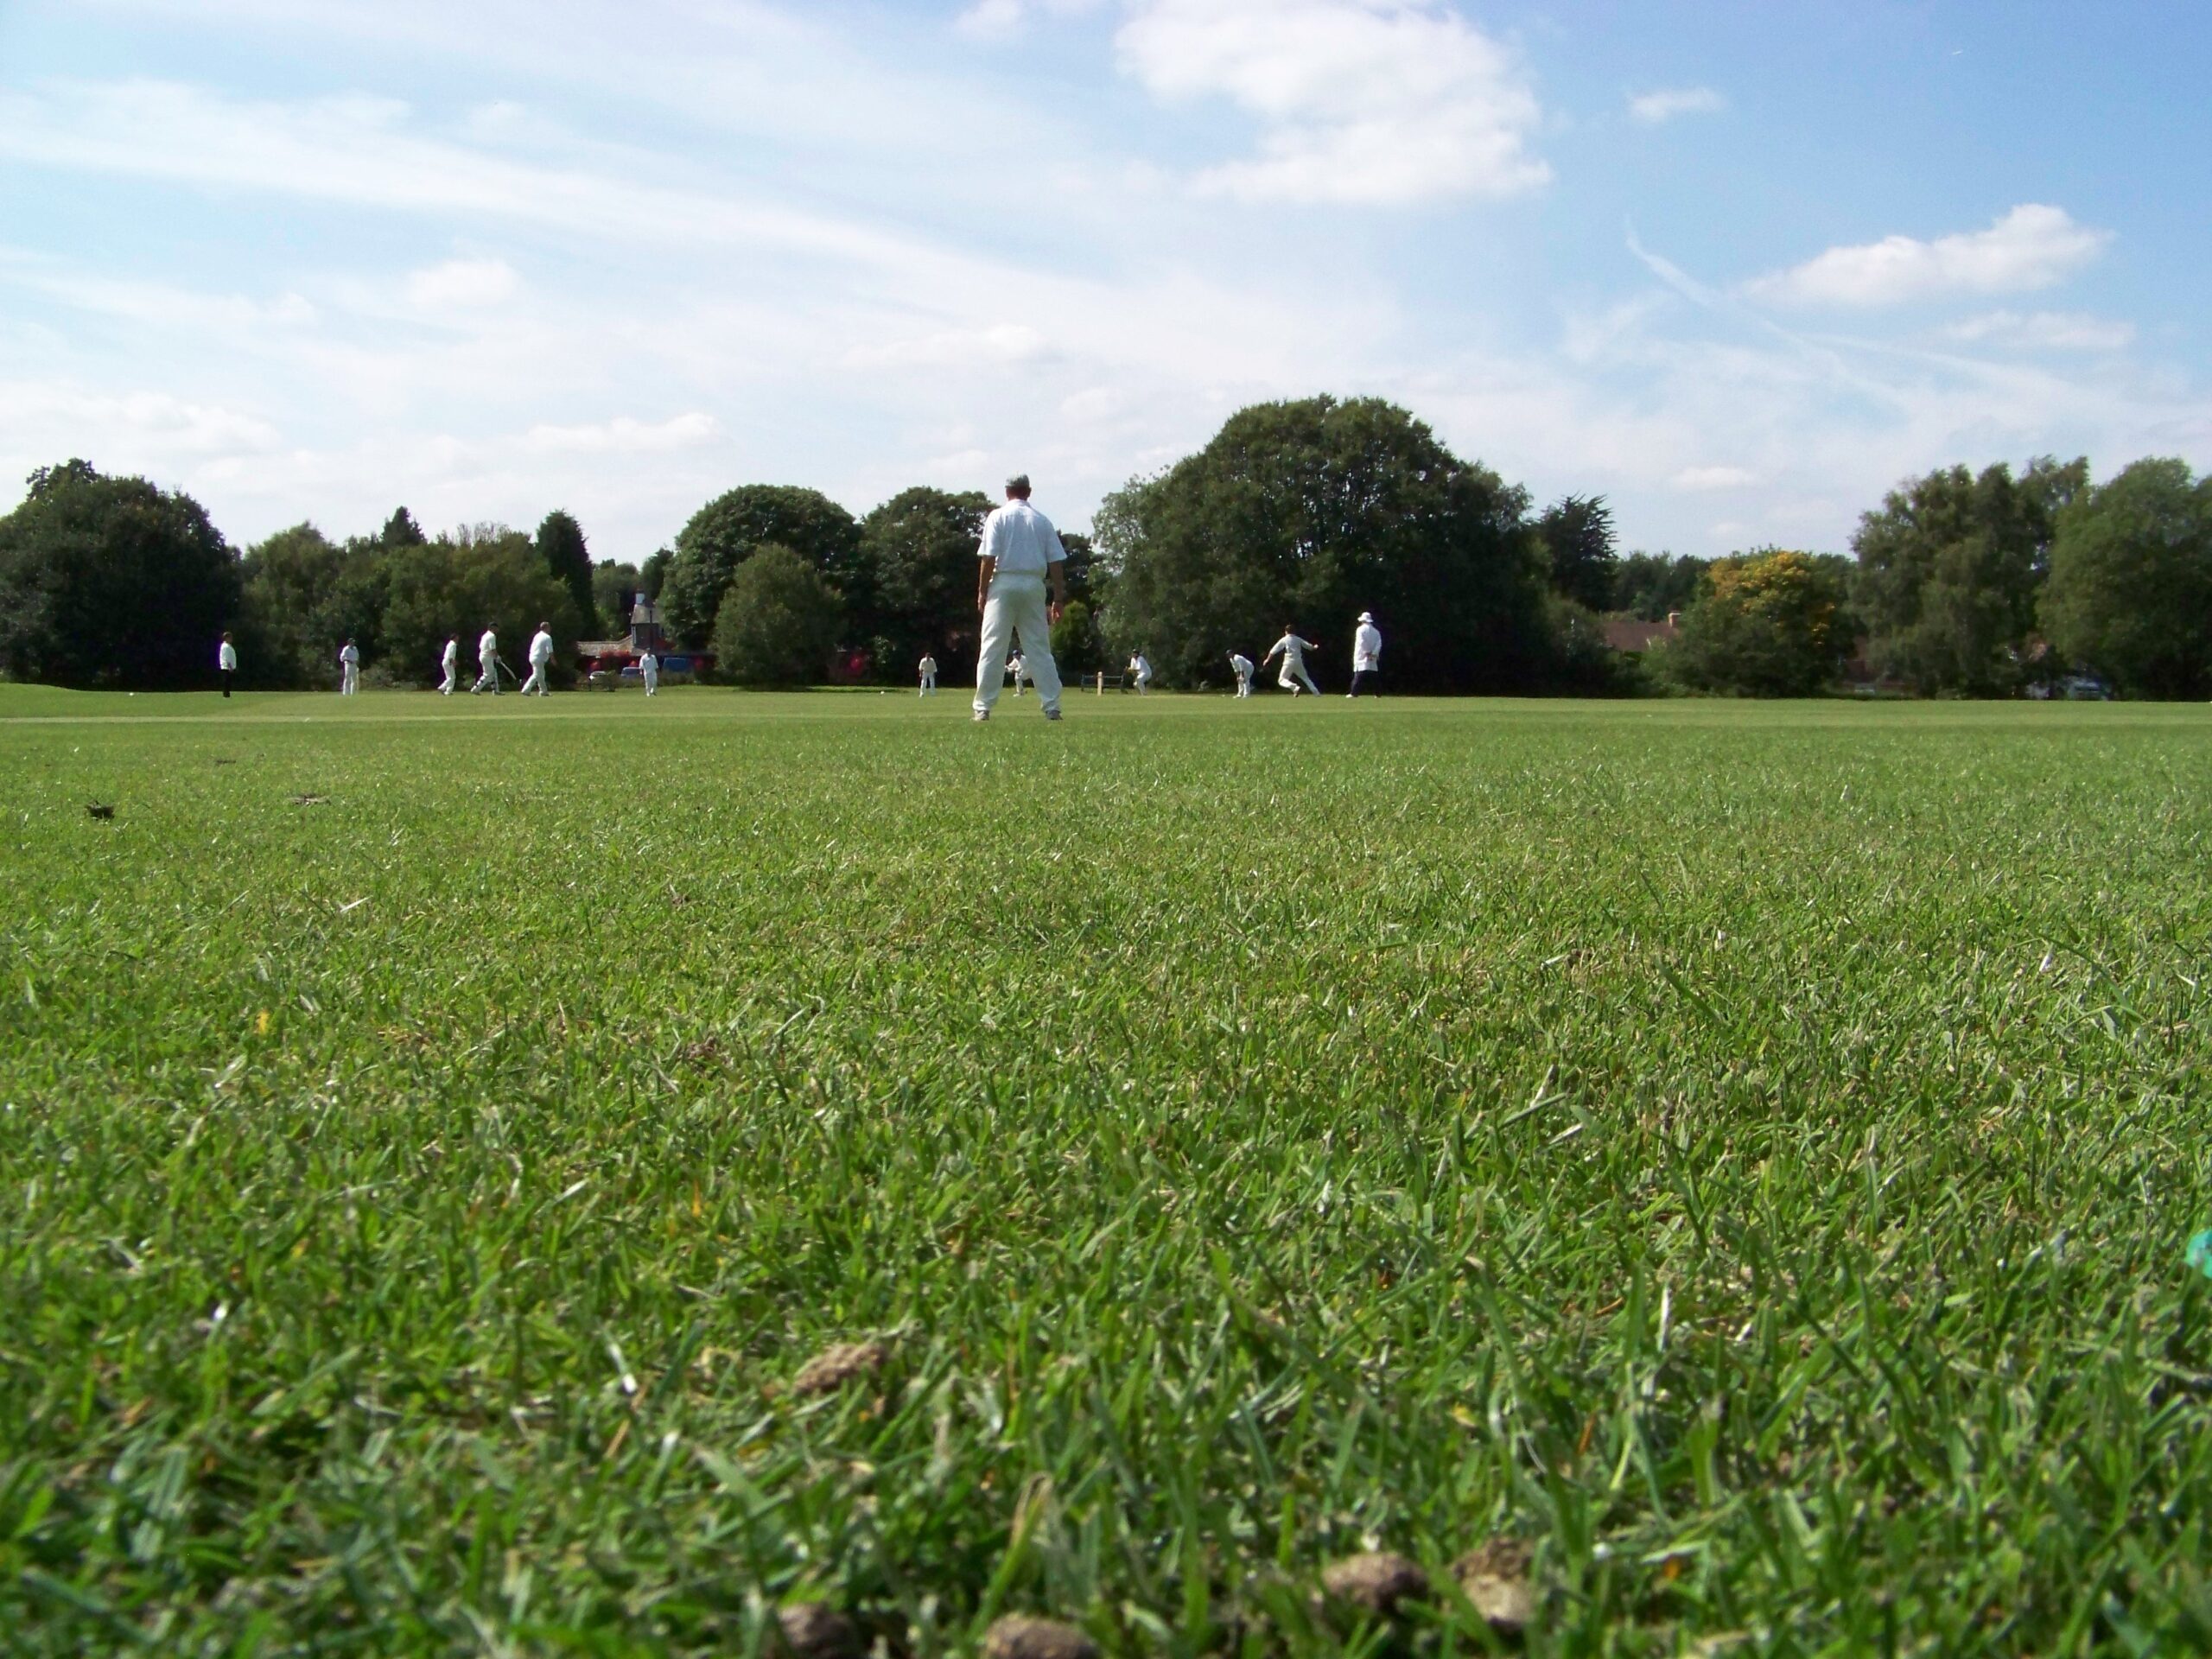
{"x": 1654, "y": 108}
{"x": 1376, "y": 102}
{"x": 2033, "y": 246}
{"x": 2053, "y": 331}
{"x": 625, "y": 435}
{"x": 996, "y": 19}
{"x": 1703, "y": 479}
{"x": 460, "y": 283}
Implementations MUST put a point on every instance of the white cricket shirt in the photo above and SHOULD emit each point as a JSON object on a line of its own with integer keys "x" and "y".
{"x": 1366, "y": 648}
{"x": 1021, "y": 540}
{"x": 541, "y": 646}
{"x": 227, "y": 658}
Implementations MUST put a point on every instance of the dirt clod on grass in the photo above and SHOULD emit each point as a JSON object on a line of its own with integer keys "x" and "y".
{"x": 836, "y": 1366}
{"x": 1377, "y": 1581}
{"x": 99, "y": 810}
{"x": 1020, "y": 1636}
{"x": 1495, "y": 1581}
{"x": 812, "y": 1630}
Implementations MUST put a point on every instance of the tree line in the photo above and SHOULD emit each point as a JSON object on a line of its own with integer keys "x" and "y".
{"x": 1302, "y": 512}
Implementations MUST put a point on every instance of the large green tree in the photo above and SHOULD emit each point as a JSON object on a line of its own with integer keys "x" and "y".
{"x": 1654, "y": 585}
{"x": 1310, "y": 513}
{"x": 615, "y": 589}
{"x": 297, "y": 596}
{"x": 455, "y": 585}
{"x": 2130, "y": 592}
{"x": 1578, "y": 535}
{"x": 778, "y": 622}
{"x": 1949, "y": 566}
{"x": 1768, "y": 625}
{"x": 112, "y": 582}
{"x": 727, "y": 532}
{"x": 561, "y": 544}
{"x": 919, "y": 548}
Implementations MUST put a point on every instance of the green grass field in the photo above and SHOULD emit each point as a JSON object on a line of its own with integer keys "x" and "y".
{"x": 1744, "y": 1153}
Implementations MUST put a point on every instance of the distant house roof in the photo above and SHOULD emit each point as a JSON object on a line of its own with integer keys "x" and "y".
{"x": 1631, "y": 634}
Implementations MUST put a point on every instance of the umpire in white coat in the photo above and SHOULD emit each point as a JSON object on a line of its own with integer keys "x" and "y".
{"x": 1021, "y": 556}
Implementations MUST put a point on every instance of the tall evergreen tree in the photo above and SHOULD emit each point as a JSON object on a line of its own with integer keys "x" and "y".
{"x": 1578, "y": 534}
{"x": 561, "y": 544}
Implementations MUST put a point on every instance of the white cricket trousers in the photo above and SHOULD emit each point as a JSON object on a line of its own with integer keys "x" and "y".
{"x": 929, "y": 684}
{"x": 1296, "y": 666}
{"x": 351, "y": 681}
{"x": 445, "y": 686}
{"x": 653, "y": 681}
{"x": 490, "y": 676}
{"x": 1014, "y": 609}
{"x": 1243, "y": 685}
{"x": 537, "y": 678}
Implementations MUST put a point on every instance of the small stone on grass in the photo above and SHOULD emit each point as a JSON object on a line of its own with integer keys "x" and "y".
{"x": 814, "y": 1631}
{"x": 835, "y": 1366}
{"x": 1020, "y": 1636}
{"x": 1495, "y": 1581}
{"x": 1377, "y": 1582}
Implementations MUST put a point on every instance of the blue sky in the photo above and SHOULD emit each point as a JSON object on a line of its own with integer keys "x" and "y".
{"x": 1739, "y": 267}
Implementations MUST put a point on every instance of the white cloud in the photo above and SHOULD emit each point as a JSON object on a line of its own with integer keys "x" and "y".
{"x": 1388, "y": 102}
{"x": 459, "y": 283}
{"x": 2033, "y": 246}
{"x": 997, "y": 344}
{"x": 625, "y": 435}
{"x": 1702, "y": 478}
{"x": 996, "y": 19}
{"x": 1657, "y": 107}
{"x": 2053, "y": 331}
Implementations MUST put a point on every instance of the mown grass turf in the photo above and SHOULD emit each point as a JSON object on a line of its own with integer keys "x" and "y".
{"x": 1745, "y": 1153}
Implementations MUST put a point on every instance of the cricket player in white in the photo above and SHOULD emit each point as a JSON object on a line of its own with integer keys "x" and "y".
{"x": 540, "y": 656}
{"x": 649, "y": 671}
{"x": 1021, "y": 556}
{"x": 929, "y": 677}
{"x": 451, "y": 663}
{"x": 349, "y": 669}
{"x": 487, "y": 662}
{"x": 1366, "y": 656}
{"x": 1243, "y": 664}
{"x": 1014, "y": 673}
{"x": 226, "y": 664}
{"x": 1143, "y": 670}
{"x": 1293, "y": 650}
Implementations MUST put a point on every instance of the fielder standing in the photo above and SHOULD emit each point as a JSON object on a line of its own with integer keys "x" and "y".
{"x": 541, "y": 658}
{"x": 1293, "y": 650}
{"x": 649, "y": 671}
{"x": 349, "y": 669}
{"x": 487, "y": 663}
{"x": 929, "y": 677}
{"x": 226, "y": 663}
{"x": 1014, "y": 673}
{"x": 1243, "y": 664}
{"x": 1366, "y": 656}
{"x": 449, "y": 662}
{"x": 1020, "y": 556}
